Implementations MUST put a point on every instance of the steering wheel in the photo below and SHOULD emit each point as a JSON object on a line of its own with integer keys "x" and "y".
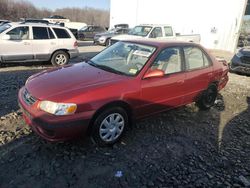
{"x": 139, "y": 65}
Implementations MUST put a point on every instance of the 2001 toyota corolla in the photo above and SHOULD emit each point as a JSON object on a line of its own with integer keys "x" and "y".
{"x": 127, "y": 81}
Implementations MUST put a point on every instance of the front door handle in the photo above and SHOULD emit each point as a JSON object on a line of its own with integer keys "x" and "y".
{"x": 26, "y": 43}
{"x": 52, "y": 43}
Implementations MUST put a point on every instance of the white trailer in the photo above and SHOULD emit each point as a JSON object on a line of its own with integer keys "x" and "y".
{"x": 217, "y": 21}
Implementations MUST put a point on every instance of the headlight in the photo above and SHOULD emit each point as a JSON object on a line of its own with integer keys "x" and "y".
{"x": 239, "y": 54}
{"x": 102, "y": 38}
{"x": 58, "y": 108}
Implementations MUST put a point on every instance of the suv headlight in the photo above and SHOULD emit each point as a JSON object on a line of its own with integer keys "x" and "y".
{"x": 59, "y": 109}
{"x": 239, "y": 54}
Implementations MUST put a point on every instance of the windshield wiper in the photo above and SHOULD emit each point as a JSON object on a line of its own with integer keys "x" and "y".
{"x": 90, "y": 62}
{"x": 104, "y": 67}
{"x": 109, "y": 69}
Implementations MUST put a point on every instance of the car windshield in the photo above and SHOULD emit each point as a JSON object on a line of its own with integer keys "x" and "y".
{"x": 83, "y": 28}
{"x": 124, "y": 58}
{"x": 4, "y": 27}
{"x": 140, "y": 31}
{"x": 112, "y": 30}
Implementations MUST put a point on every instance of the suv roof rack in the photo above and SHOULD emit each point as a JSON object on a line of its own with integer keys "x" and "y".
{"x": 31, "y": 20}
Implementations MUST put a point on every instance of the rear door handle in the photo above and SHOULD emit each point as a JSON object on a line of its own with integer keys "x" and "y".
{"x": 52, "y": 43}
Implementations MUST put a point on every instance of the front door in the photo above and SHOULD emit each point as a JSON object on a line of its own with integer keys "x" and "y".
{"x": 159, "y": 94}
{"x": 18, "y": 47}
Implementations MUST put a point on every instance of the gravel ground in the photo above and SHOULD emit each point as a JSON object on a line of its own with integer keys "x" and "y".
{"x": 184, "y": 147}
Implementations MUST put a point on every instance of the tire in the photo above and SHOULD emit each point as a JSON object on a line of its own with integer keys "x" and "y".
{"x": 107, "y": 43}
{"x": 60, "y": 58}
{"x": 105, "y": 133}
{"x": 207, "y": 98}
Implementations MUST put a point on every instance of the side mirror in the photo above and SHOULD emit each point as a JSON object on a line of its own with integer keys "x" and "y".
{"x": 153, "y": 73}
{"x": 6, "y": 37}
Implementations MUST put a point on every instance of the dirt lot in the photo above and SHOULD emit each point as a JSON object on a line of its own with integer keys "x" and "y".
{"x": 184, "y": 147}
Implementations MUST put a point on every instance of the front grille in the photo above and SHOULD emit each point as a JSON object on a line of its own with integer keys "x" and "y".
{"x": 28, "y": 99}
{"x": 245, "y": 60}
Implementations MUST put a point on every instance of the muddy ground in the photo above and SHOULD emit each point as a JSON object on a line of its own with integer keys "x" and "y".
{"x": 184, "y": 147}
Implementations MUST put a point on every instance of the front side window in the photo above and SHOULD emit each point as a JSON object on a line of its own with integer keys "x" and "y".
{"x": 123, "y": 58}
{"x": 169, "y": 61}
{"x": 19, "y": 33}
{"x": 157, "y": 32}
{"x": 40, "y": 33}
{"x": 61, "y": 33}
{"x": 140, "y": 31}
{"x": 195, "y": 58}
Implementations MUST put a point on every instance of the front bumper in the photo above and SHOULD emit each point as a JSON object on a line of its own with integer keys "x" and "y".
{"x": 101, "y": 41}
{"x": 52, "y": 127}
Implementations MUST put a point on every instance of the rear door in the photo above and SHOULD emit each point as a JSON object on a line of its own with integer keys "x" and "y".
{"x": 199, "y": 72}
{"x": 44, "y": 42}
{"x": 18, "y": 46}
{"x": 158, "y": 94}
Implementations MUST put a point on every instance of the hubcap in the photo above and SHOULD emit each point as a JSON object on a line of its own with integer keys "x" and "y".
{"x": 111, "y": 127}
{"x": 61, "y": 59}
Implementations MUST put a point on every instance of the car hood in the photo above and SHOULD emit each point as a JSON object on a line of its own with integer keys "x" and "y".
{"x": 126, "y": 37}
{"x": 81, "y": 76}
{"x": 245, "y": 51}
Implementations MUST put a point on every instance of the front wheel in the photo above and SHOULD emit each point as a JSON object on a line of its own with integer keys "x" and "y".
{"x": 109, "y": 126}
{"x": 207, "y": 98}
{"x": 60, "y": 58}
{"x": 108, "y": 42}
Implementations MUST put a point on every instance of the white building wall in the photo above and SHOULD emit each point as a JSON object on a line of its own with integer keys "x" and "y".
{"x": 217, "y": 21}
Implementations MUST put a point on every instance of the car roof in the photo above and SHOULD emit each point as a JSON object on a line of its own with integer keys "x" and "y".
{"x": 154, "y": 25}
{"x": 161, "y": 42}
{"x": 35, "y": 24}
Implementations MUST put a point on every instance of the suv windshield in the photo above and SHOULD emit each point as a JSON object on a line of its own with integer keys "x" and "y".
{"x": 140, "y": 31}
{"x": 124, "y": 58}
{"x": 4, "y": 27}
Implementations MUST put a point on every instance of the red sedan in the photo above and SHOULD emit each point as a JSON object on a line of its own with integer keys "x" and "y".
{"x": 126, "y": 81}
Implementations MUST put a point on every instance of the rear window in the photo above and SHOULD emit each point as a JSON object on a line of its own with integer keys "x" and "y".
{"x": 40, "y": 33}
{"x": 61, "y": 33}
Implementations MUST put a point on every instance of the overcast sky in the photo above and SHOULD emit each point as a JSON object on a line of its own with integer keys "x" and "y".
{"x": 54, "y": 4}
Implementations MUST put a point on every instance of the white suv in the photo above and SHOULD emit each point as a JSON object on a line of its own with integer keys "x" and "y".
{"x": 29, "y": 42}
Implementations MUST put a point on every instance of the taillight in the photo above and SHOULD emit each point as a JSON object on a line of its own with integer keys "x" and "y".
{"x": 75, "y": 44}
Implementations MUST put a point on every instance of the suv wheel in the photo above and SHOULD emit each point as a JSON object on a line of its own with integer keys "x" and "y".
{"x": 60, "y": 58}
{"x": 109, "y": 126}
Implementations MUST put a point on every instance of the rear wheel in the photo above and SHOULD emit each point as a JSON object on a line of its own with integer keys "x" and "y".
{"x": 207, "y": 98}
{"x": 60, "y": 58}
{"x": 109, "y": 126}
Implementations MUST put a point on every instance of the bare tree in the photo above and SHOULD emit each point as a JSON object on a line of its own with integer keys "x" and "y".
{"x": 16, "y": 9}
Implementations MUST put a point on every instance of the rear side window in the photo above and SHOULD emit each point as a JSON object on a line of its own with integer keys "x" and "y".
{"x": 40, "y": 33}
{"x": 195, "y": 58}
{"x": 61, "y": 33}
{"x": 168, "y": 31}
